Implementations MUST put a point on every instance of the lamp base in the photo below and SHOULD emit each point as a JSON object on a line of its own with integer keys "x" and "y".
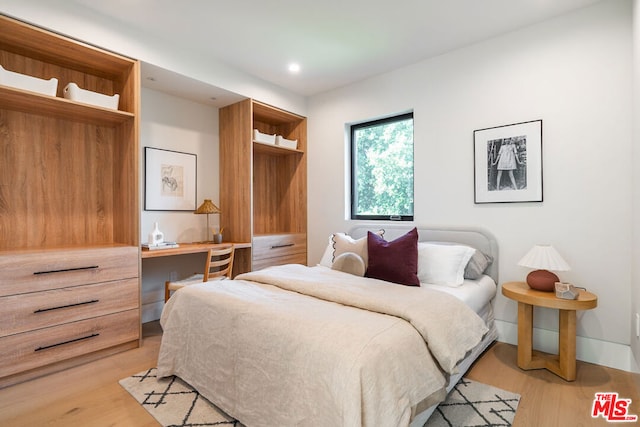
{"x": 542, "y": 280}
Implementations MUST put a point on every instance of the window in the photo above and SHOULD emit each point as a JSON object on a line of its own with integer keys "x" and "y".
{"x": 382, "y": 169}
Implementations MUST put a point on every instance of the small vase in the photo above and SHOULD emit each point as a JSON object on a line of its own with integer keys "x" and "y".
{"x": 217, "y": 238}
{"x": 156, "y": 236}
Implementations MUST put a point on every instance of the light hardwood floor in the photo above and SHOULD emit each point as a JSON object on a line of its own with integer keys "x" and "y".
{"x": 548, "y": 400}
{"x": 89, "y": 395}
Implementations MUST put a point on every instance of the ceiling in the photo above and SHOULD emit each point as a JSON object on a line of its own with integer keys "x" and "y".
{"x": 335, "y": 42}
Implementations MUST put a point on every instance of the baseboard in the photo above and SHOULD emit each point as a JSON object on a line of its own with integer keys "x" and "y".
{"x": 613, "y": 355}
{"x": 151, "y": 311}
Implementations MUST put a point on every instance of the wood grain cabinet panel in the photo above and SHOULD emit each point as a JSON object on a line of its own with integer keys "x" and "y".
{"x": 69, "y": 190}
{"x": 277, "y": 249}
{"x": 32, "y": 271}
{"x": 38, "y": 310}
{"x": 30, "y": 350}
{"x": 265, "y": 185}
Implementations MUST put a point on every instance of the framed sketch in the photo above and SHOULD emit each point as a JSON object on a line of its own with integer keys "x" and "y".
{"x": 508, "y": 163}
{"x": 169, "y": 180}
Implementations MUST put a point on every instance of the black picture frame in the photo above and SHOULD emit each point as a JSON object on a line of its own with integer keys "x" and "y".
{"x": 508, "y": 163}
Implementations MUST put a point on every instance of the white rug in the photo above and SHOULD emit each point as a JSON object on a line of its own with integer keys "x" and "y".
{"x": 471, "y": 403}
{"x": 173, "y": 403}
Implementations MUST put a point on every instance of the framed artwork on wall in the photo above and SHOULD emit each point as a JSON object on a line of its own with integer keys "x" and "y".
{"x": 169, "y": 180}
{"x": 508, "y": 163}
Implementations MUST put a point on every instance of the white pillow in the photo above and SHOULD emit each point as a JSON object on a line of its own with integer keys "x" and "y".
{"x": 343, "y": 243}
{"x": 443, "y": 264}
{"x": 340, "y": 243}
{"x": 327, "y": 257}
{"x": 349, "y": 262}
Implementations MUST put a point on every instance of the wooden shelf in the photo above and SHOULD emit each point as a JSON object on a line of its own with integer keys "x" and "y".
{"x": 265, "y": 184}
{"x": 60, "y": 108}
{"x": 274, "y": 116}
{"x": 48, "y": 47}
{"x": 278, "y": 150}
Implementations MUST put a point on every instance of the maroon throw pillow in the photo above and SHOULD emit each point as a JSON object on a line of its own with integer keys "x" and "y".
{"x": 395, "y": 261}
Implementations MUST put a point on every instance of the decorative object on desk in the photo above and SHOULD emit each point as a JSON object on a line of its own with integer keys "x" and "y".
{"x": 156, "y": 237}
{"x": 207, "y": 207}
{"x": 508, "y": 163}
{"x": 543, "y": 258}
{"x": 170, "y": 180}
{"x": 163, "y": 245}
{"x": 217, "y": 236}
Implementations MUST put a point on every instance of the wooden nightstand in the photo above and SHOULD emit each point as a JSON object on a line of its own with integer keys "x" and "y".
{"x": 564, "y": 364}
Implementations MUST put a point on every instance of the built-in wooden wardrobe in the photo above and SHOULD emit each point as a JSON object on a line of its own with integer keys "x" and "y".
{"x": 263, "y": 187}
{"x": 69, "y": 209}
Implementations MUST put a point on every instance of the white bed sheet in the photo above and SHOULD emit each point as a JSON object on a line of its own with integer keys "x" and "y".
{"x": 475, "y": 293}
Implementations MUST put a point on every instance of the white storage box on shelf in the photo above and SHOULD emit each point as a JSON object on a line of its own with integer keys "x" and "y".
{"x": 32, "y": 84}
{"x": 265, "y": 138}
{"x": 73, "y": 92}
{"x": 287, "y": 143}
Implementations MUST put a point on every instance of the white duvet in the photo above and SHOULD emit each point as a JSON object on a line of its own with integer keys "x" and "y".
{"x": 300, "y": 346}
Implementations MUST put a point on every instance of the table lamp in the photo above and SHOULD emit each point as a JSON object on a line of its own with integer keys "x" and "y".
{"x": 543, "y": 258}
{"x": 207, "y": 207}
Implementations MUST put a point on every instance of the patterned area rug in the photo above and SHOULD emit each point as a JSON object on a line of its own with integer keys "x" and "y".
{"x": 472, "y": 403}
{"x": 173, "y": 403}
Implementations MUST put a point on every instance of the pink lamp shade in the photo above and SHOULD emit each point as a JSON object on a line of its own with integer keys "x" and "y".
{"x": 543, "y": 258}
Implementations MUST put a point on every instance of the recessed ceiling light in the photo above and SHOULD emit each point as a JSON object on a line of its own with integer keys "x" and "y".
{"x": 294, "y": 67}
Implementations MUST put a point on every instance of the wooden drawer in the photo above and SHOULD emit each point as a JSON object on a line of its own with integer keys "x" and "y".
{"x": 276, "y": 245}
{"x": 32, "y": 271}
{"x": 26, "y": 312}
{"x": 276, "y": 249}
{"x": 285, "y": 259}
{"x": 22, "y": 352}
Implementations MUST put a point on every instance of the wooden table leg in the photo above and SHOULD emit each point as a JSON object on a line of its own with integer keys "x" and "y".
{"x": 525, "y": 335}
{"x": 567, "y": 344}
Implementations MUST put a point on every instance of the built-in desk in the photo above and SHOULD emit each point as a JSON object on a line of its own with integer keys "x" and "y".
{"x": 241, "y": 262}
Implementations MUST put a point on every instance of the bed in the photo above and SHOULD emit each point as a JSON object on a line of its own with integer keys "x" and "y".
{"x": 297, "y": 345}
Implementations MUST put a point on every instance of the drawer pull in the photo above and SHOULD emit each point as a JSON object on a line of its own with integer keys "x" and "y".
{"x": 66, "y": 342}
{"x": 42, "y": 310}
{"x": 284, "y": 245}
{"x": 91, "y": 267}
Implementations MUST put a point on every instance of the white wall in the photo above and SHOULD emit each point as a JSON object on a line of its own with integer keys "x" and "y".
{"x": 635, "y": 282}
{"x": 176, "y": 124}
{"x": 574, "y": 73}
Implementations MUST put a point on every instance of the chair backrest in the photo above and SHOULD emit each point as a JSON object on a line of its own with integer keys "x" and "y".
{"x": 219, "y": 263}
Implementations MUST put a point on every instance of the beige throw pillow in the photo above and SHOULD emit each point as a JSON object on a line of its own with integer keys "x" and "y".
{"x": 349, "y": 262}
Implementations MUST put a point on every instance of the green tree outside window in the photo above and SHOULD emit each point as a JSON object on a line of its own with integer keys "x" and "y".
{"x": 382, "y": 169}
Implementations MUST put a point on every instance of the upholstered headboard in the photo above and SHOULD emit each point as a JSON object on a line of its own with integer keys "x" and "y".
{"x": 475, "y": 237}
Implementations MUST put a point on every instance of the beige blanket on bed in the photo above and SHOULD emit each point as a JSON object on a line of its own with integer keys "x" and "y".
{"x": 272, "y": 357}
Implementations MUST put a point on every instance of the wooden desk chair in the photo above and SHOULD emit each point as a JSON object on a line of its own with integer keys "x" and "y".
{"x": 219, "y": 266}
